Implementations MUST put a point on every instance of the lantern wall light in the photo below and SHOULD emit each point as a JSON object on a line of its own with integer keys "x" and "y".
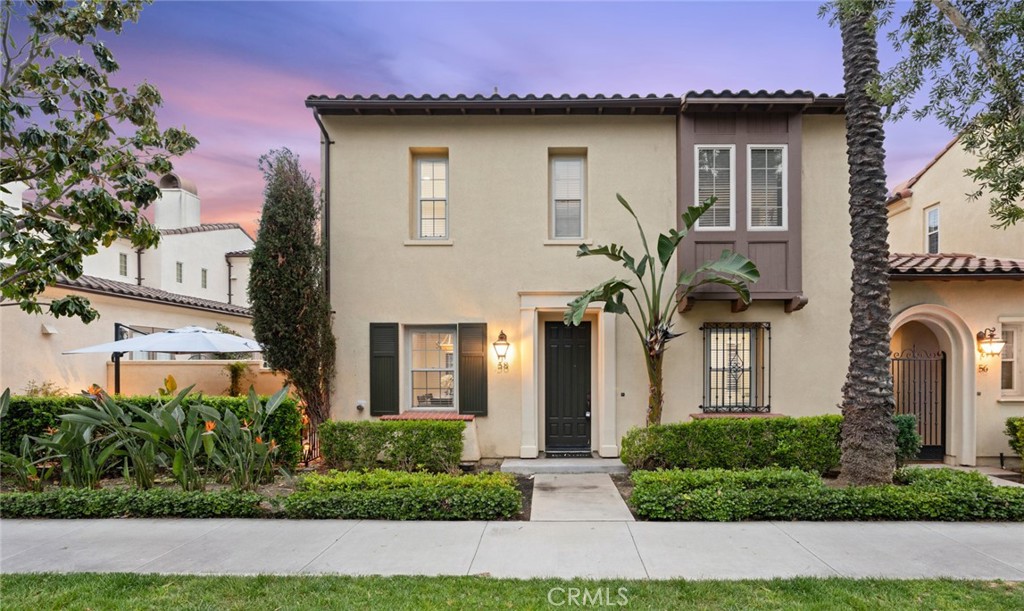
{"x": 989, "y": 344}
{"x": 501, "y": 350}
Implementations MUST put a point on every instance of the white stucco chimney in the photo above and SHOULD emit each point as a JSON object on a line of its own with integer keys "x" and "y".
{"x": 178, "y": 205}
{"x": 12, "y": 198}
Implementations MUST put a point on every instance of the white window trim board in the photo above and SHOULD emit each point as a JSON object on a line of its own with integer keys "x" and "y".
{"x": 732, "y": 184}
{"x": 583, "y": 197}
{"x": 785, "y": 187}
{"x": 419, "y": 237}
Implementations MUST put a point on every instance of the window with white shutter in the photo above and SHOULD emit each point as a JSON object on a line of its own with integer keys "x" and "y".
{"x": 432, "y": 198}
{"x": 567, "y": 178}
{"x": 714, "y": 173}
{"x": 766, "y": 192}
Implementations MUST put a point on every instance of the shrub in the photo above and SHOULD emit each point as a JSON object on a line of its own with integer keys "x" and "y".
{"x": 406, "y": 445}
{"x": 926, "y": 494}
{"x": 1015, "y": 431}
{"x": 70, "y": 503}
{"x": 388, "y": 495}
{"x": 810, "y": 443}
{"x": 33, "y": 415}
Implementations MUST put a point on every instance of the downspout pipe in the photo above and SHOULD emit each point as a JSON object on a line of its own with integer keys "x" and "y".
{"x": 138, "y": 266}
{"x": 227, "y": 259}
{"x": 325, "y": 216}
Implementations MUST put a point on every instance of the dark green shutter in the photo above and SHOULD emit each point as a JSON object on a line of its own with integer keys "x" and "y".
{"x": 383, "y": 368}
{"x": 473, "y": 368}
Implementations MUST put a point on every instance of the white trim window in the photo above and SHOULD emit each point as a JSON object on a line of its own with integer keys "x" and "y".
{"x": 931, "y": 230}
{"x": 568, "y": 177}
{"x": 1011, "y": 368}
{"x": 433, "y": 367}
{"x": 714, "y": 176}
{"x": 767, "y": 187}
{"x": 179, "y": 272}
{"x": 432, "y": 198}
{"x": 122, "y": 264}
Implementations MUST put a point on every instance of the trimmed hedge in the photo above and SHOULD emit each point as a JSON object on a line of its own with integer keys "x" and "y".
{"x": 387, "y": 495}
{"x": 404, "y": 445}
{"x": 775, "y": 494}
{"x": 809, "y": 444}
{"x": 33, "y": 415}
{"x": 73, "y": 503}
{"x": 1015, "y": 431}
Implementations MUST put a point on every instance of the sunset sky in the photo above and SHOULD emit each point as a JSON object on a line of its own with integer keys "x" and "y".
{"x": 236, "y": 73}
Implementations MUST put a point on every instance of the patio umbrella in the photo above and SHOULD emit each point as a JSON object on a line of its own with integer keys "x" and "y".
{"x": 186, "y": 340}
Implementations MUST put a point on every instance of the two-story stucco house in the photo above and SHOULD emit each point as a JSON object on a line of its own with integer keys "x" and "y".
{"x": 453, "y": 223}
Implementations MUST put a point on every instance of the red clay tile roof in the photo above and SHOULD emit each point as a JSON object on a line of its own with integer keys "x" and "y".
{"x": 904, "y": 190}
{"x": 239, "y": 253}
{"x": 103, "y": 286}
{"x": 910, "y": 266}
{"x": 205, "y": 227}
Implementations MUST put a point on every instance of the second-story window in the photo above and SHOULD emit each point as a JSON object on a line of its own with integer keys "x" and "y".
{"x": 122, "y": 264}
{"x": 766, "y": 191}
{"x": 432, "y": 198}
{"x": 178, "y": 272}
{"x": 567, "y": 176}
{"x": 714, "y": 178}
{"x": 931, "y": 229}
{"x": 202, "y": 278}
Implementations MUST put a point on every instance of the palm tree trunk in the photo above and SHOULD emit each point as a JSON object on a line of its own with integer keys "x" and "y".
{"x": 656, "y": 395}
{"x": 868, "y": 433}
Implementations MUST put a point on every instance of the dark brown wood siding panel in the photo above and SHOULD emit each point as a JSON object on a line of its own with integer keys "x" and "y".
{"x": 777, "y": 253}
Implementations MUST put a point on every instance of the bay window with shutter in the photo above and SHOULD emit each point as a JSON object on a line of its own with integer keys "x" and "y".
{"x": 715, "y": 178}
{"x": 568, "y": 176}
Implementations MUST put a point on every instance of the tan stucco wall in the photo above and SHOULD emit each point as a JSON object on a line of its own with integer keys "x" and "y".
{"x": 978, "y": 305}
{"x": 499, "y": 224}
{"x": 207, "y": 377}
{"x": 964, "y": 226}
{"x": 28, "y": 354}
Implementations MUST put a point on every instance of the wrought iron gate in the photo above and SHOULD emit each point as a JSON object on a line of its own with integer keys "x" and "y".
{"x": 919, "y": 385}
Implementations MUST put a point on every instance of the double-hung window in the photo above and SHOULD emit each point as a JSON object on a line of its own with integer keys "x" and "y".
{"x": 931, "y": 229}
{"x": 766, "y": 187}
{"x": 567, "y": 186}
{"x": 1011, "y": 367}
{"x": 432, "y": 366}
{"x": 737, "y": 367}
{"x": 122, "y": 264}
{"x": 179, "y": 272}
{"x": 432, "y": 198}
{"x": 715, "y": 178}
{"x": 202, "y": 277}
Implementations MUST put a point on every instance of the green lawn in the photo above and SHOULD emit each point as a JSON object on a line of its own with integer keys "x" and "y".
{"x": 123, "y": 591}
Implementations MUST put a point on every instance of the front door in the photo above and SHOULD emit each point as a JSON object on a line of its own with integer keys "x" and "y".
{"x": 567, "y": 387}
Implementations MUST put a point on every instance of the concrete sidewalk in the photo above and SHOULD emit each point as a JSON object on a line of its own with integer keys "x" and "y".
{"x": 693, "y": 550}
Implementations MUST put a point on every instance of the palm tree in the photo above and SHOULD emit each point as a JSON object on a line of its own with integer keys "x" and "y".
{"x": 869, "y": 436}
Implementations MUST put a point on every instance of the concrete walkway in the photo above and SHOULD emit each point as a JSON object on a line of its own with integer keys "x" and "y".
{"x": 693, "y": 550}
{"x": 587, "y": 497}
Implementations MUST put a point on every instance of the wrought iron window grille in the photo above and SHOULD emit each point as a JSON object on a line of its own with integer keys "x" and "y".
{"x": 737, "y": 367}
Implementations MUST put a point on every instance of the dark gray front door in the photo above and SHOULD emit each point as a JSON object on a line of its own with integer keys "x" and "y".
{"x": 567, "y": 386}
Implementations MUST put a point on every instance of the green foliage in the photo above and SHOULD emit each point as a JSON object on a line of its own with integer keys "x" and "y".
{"x": 406, "y": 445}
{"x": 34, "y": 415}
{"x": 85, "y": 148}
{"x": 120, "y": 503}
{"x": 652, "y": 320}
{"x": 244, "y": 451}
{"x": 723, "y": 496}
{"x": 809, "y": 443}
{"x": 84, "y": 453}
{"x": 1015, "y": 431}
{"x": 389, "y": 495}
{"x": 908, "y": 440}
{"x": 291, "y": 313}
{"x": 237, "y": 372}
{"x": 968, "y": 55}
{"x": 44, "y": 389}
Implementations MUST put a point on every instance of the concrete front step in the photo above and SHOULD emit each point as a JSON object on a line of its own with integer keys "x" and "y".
{"x": 532, "y": 466}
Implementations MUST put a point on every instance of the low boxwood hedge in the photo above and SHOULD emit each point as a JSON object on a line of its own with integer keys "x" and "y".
{"x": 387, "y": 495}
{"x": 775, "y": 494}
{"x": 33, "y": 415}
{"x": 809, "y": 444}
{"x": 405, "y": 445}
{"x": 73, "y": 503}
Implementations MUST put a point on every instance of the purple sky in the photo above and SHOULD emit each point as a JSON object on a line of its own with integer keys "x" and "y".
{"x": 236, "y": 73}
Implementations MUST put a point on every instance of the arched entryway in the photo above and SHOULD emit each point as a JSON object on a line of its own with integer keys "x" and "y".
{"x": 919, "y": 374}
{"x": 934, "y": 333}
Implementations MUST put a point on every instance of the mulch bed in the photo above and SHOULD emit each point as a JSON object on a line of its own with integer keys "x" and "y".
{"x": 625, "y": 486}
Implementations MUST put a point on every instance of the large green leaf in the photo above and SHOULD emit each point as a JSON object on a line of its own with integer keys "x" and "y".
{"x": 603, "y": 292}
{"x": 693, "y": 213}
{"x": 612, "y": 251}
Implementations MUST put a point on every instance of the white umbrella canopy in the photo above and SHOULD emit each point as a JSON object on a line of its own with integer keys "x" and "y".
{"x": 186, "y": 340}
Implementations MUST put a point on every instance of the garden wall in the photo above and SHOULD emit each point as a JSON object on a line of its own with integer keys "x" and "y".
{"x": 209, "y": 377}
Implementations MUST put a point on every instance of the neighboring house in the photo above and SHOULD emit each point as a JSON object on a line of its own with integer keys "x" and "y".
{"x": 955, "y": 276}
{"x": 454, "y": 219}
{"x": 197, "y": 275}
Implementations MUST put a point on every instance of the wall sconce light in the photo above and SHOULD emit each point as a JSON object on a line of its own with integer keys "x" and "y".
{"x": 501, "y": 349}
{"x": 988, "y": 343}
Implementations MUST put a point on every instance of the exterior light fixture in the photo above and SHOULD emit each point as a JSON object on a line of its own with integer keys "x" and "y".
{"x": 988, "y": 343}
{"x": 501, "y": 349}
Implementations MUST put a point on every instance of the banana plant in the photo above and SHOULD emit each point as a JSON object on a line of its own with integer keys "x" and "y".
{"x": 652, "y": 304}
{"x": 245, "y": 454}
